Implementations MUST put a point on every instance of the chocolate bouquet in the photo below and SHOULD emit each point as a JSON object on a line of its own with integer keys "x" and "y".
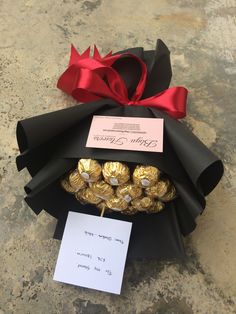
{"x": 161, "y": 193}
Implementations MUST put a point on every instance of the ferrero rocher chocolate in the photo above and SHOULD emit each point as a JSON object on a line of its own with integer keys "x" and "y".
{"x": 130, "y": 211}
{"x": 128, "y": 191}
{"x": 142, "y": 204}
{"x": 117, "y": 204}
{"x": 159, "y": 189}
{"x": 89, "y": 169}
{"x": 146, "y": 176}
{"x": 115, "y": 173}
{"x": 66, "y": 186}
{"x": 76, "y": 181}
{"x": 102, "y": 189}
{"x": 156, "y": 208}
{"x": 170, "y": 195}
{"x": 87, "y": 196}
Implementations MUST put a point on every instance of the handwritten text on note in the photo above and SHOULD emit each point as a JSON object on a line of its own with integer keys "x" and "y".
{"x": 93, "y": 252}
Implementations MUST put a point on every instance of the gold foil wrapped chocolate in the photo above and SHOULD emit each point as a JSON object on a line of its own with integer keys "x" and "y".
{"x": 66, "y": 186}
{"x": 87, "y": 196}
{"x": 142, "y": 204}
{"x": 159, "y": 189}
{"x": 115, "y": 173}
{"x": 102, "y": 189}
{"x": 130, "y": 211}
{"x": 90, "y": 170}
{"x": 76, "y": 181}
{"x": 170, "y": 195}
{"x": 128, "y": 191}
{"x": 156, "y": 208}
{"x": 117, "y": 204}
{"x": 145, "y": 176}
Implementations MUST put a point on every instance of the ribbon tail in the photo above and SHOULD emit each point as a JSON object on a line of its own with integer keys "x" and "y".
{"x": 74, "y": 55}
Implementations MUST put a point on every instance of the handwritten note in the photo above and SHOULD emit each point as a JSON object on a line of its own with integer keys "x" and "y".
{"x": 93, "y": 252}
{"x": 129, "y": 133}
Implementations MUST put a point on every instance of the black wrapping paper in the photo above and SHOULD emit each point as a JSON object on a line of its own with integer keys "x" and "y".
{"x": 51, "y": 144}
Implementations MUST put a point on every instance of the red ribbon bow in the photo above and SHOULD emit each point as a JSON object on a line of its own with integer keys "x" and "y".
{"x": 93, "y": 78}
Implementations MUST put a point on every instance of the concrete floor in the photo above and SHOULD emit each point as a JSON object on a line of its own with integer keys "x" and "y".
{"x": 34, "y": 50}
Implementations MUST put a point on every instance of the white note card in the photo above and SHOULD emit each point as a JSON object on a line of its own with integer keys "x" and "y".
{"x": 93, "y": 252}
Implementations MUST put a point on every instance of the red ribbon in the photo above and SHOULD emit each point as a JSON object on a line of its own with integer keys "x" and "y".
{"x": 93, "y": 78}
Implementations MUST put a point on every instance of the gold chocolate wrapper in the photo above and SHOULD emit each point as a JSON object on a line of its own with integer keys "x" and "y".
{"x": 116, "y": 204}
{"x": 115, "y": 173}
{"x": 156, "y": 208}
{"x": 128, "y": 191}
{"x": 130, "y": 211}
{"x": 76, "y": 181}
{"x": 142, "y": 204}
{"x": 146, "y": 176}
{"x": 102, "y": 189}
{"x": 87, "y": 196}
{"x": 66, "y": 186}
{"x": 170, "y": 195}
{"x": 89, "y": 169}
{"x": 159, "y": 189}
